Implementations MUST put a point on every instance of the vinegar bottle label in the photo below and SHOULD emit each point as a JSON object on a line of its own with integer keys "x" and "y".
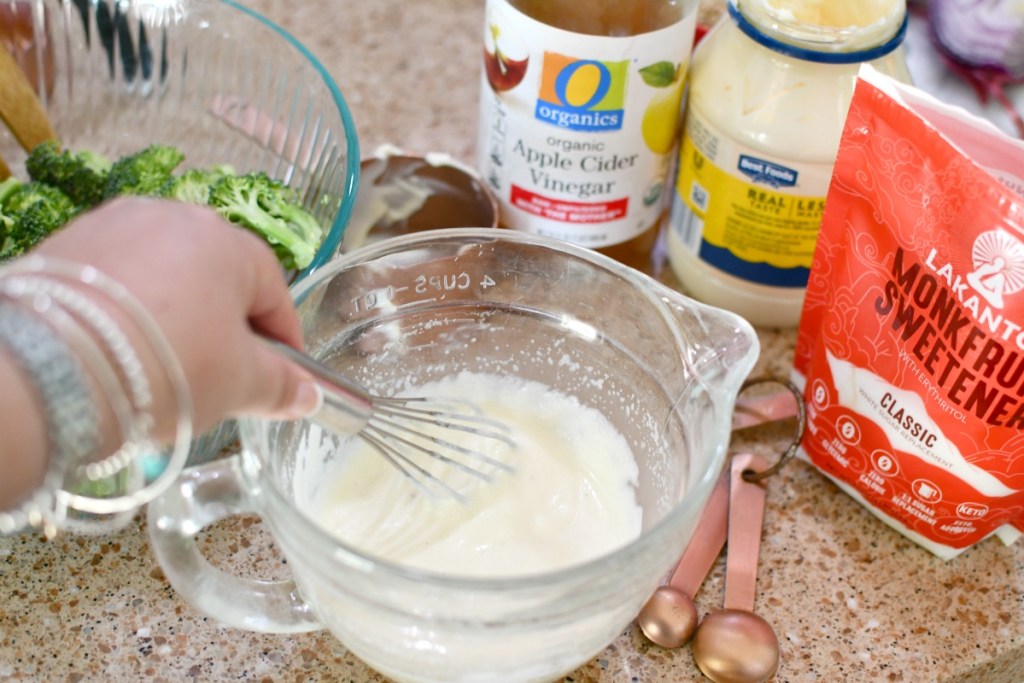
{"x": 577, "y": 132}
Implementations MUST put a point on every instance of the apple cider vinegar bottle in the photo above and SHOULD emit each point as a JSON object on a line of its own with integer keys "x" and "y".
{"x": 579, "y": 117}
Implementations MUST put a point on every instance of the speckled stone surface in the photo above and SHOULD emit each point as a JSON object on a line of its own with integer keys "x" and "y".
{"x": 850, "y": 599}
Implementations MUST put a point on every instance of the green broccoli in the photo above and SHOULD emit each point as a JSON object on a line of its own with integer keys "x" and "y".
{"x": 82, "y": 175}
{"x": 7, "y": 187}
{"x": 30, "y": 212}
{"x": 64, "y": 183}
{"x": 270, "y": 209}
{"x": 193, "y": 186}
{"x": 146, "y": 172}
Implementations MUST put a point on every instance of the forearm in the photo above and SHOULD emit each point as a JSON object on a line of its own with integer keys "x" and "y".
{"x": 67, "y": 371}
{"x": 179, "y": 299}
{"x": 23, "y": 446}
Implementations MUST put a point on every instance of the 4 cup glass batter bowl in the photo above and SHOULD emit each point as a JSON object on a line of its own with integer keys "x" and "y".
{"x": 405, "y": 311}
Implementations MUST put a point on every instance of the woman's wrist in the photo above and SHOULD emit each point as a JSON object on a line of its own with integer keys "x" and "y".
{"x": 92, "y": 354}
{"x": 23, "y": 451}
{"x": 33, "y": 333}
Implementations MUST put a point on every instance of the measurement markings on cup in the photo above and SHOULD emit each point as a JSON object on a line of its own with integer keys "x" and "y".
{"x": 438, "y": 283}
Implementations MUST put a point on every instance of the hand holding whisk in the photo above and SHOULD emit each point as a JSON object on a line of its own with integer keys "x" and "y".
{"x": 407, "y": 432}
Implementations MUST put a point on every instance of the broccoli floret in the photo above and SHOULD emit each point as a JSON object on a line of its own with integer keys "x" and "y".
{"x": 146, "y": 172}
{"x": 193, "y": 186}
{"x": 81, "y": 175}
{"x": 30, "y": 212}
{"x": 284, "y": 205}
{"x": 64, "y": 183}
{"x": 270, "y": 209}
{"x": 34, "y": 224}
{"x": 7, "y": 187}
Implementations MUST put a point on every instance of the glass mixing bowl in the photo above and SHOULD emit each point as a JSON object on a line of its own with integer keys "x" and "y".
{"x": 211, "y": 77}
{"x": 398, "y": 313}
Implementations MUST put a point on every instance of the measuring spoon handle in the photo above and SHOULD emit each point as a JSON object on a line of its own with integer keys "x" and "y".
{"x": 707, "y": 541}
{"x": 746, "y": 516}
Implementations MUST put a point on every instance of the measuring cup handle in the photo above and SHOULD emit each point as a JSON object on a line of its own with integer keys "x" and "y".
{"x": 201, "y": 496}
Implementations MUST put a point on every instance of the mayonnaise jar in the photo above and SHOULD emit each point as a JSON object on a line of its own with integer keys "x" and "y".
{"x": 770, "y": 87}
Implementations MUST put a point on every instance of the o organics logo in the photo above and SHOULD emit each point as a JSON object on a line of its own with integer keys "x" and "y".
{"x": 581, "y": 94}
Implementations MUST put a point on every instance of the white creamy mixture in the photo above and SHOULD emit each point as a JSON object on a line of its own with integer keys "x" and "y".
{"x": 571, "y": 498}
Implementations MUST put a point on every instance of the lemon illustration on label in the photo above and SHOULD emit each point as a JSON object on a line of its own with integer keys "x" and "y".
{"x": 661, "y": 119}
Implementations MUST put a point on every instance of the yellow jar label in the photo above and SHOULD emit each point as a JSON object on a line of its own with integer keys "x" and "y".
{"x": 751, "y": 215}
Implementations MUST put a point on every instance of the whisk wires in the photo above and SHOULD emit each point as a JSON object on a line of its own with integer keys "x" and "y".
{"x": 419, "y": 436}
{"x": 401, "y": 428}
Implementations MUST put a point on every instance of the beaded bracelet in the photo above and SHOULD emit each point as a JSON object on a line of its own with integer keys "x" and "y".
{"x": 69, "y": 310}
{"x": 109, "y": 388}
{"x": 123, "y": 354}
{"x": 71, "y": 420}
{"x": 159, "y": 468}
{"x": 109, "y": 383}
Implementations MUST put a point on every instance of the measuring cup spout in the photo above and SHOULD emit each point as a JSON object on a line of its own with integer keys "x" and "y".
{"x": 717, "y": 347}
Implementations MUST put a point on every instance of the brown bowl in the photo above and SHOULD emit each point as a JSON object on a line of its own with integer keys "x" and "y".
{"x": 401, "y": 193}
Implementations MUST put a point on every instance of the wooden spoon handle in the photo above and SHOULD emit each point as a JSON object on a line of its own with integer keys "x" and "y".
{"x": 20, "y": 108}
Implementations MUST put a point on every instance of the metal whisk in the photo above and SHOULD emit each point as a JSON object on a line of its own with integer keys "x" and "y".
{"x": 404, "y": 430}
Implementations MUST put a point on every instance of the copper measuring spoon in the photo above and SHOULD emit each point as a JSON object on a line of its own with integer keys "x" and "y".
{"x": 669, "y": 618}
{"x": 734, "y": 645}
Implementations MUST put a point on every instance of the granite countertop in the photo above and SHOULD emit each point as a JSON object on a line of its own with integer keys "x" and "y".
{"x": 851, "y": 600}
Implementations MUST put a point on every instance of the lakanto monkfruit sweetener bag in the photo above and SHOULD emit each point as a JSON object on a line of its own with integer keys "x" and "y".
{"x": 911, "y": 343}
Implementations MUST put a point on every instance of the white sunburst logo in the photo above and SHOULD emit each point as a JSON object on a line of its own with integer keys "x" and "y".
{"x": 998, "y": 259}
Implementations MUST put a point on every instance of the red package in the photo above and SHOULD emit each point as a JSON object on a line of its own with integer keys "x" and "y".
{"x": 911, "y": 344}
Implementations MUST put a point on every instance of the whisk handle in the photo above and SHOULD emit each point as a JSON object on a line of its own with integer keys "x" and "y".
{"x": 346, "y": 406}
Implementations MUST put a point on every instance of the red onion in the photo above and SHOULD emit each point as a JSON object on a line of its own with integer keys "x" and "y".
{"x": 983, "y": 41}
{"x": 981, "y": 33}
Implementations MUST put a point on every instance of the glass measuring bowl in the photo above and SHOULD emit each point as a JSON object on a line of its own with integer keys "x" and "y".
{"x": 664, "y": 370}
